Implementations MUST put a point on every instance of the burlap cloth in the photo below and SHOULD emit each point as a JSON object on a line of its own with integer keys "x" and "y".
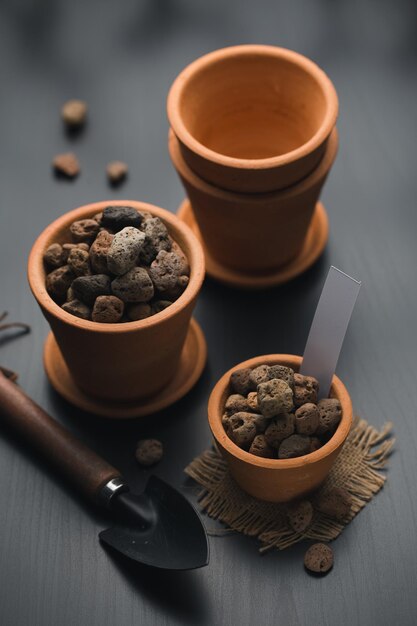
{"x": 357, "y": 469}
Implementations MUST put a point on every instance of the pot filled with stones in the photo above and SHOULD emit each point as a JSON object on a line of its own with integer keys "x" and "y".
{"x": 117, "y": 283}
{"x": 279, "y": 439}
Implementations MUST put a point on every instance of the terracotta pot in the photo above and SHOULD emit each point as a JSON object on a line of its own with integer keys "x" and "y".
{"x": 125, "y": 361}
{"x": 277, "y": 480}
{"x": 252, "y": 118}
{"x": 253, "y": 232}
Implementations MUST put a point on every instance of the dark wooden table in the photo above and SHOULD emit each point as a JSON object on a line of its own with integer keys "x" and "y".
{"x": 121, "y": 57}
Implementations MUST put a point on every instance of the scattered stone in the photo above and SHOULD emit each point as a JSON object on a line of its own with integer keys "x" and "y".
{"x": 170, "y": 274}
{"x": 66, "y": 164}
{"x": 134, "y": 286}
{"x": 84, "y": 230}
{"x": 260, "y": 447}
{"x": 307, "y": 419}
{"x": 124, "y": 250}
{"x": 157, "y": 239}
{"x": 300, "y": 515}
{"x": 58, "y": 282}
{"x": 315, "y": 444}
{"x": 259, "y": 375}
{"x": 149, "y": 452}
{"x": 275, "y": 397}
{"x": 136, "y": 312}
{"x": 279, "y": 429}
{"x": 116, "y": 172}
{"x": 283, "y": 373}
{"x": 235, "y": 403}
{"x": 240, "y": 381}
{"x": 293, "y": 446}
{"x": 160, "y": 305}
{"x": 330, "y": 411}
{"x": 88, "y": 288}
{"x": 118, "y": 217}
{"x": 241, "y": 430}
{"x": 108, "y": 309}
{"x": 54, "y": 256}
{"x": 305, "y": 390}
{"x": 252, "y": 401}
{"x": 74, "y": 113}
{"x": 77, "y": 308}
{"x": 79, "y": 262}
{"x": 99, "y": 251}
{"x": 336, "y": 503}
{"x": 319, "y": 558}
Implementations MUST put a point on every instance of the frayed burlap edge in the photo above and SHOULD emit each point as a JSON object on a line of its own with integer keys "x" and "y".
{"x": 357, "y": 469}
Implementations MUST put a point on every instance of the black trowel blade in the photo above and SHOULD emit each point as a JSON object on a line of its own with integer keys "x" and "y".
{"x": 173, "y": 537}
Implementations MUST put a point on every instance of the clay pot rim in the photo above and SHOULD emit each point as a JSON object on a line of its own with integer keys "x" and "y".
{"x": 286, "y": 193}
{"x": 183, "y": 134}
{"x": 218, "y": 396}
{"x": 36, "y": 274}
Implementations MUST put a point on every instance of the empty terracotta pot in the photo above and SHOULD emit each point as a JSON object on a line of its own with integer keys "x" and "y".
{"x": 124, "y": 361}
{"x": 253, "y": 232}
{"x": 252, "y": 118}
{"x": 277, "y": 480}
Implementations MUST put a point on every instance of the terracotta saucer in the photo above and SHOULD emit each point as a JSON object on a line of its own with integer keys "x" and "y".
{"x": 314, "y": 245}
{"x": 191, "y": 365}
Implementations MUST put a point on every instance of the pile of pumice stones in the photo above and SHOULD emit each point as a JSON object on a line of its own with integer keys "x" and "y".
{"x": 122, "y": 265}
{"x": 275, "y": 413}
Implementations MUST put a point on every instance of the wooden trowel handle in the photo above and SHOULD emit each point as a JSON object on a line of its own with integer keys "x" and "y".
{"x": 70, "y": 456}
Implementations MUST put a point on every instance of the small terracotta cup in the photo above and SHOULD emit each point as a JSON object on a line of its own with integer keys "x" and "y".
{"x": 277, "y": 480}
{"x": 253, "y": 232}
{"x": 126, "y": 361}
{"x": 252, "y": 118}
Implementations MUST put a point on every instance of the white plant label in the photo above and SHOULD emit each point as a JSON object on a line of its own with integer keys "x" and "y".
{"x": 329, "y": 327}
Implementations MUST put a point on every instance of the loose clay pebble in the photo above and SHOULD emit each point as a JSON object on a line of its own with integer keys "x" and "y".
{"x": 157, "y": 239}
{"x": 116, "y": 171}
{"x": 88, "y": 288}
{"x": 283, "y": 373}
{"x": 260, "y": 447}
{"x": 319, "y": 558}
{"x": 84, "y": 230}
{"x": 240, "y": 381}
{"x": 67, "y": 247}
{"x": 118, "y": 217}
{"x": 77, "y": 308}
{"x": 124, "y": 250}
{"x": 79, "y": 262}
{"x": 315, "y": 444}
{"x": 134, "y": 286}
{"x": 235, "y": 403}
{"x": 275, "y": 397}
{"x": 252, "y": 401}
{"x": 98, "y": 217}
{"x": 66, "y": 164}
{"x": 170, "y": 274}
{"x": 70, "y": 295}
{"x": 149, "y": 451}
{"x": 330, "y": 412}
{"x": 306, "y": 419}
{"x": 241, "y": 430}
{"x": 108, "y": 309}
{"x": 139, "y": 311}
{"x": 300, "y": 515}
{"x": 58, "y": 282}
{"x": 99, "y": 251}
{"x": 54, "y": 255}
{"x": 74, "y": 113}
{"x": 293, "y": 446}
{"x": 260, "y": 421}
{"x": 335, "y": 503}
{"x": 279, "y": 429}
{"x": 259, "y": 375}
{"x": 305, "y": 390}
{"x": 160, "y": 305}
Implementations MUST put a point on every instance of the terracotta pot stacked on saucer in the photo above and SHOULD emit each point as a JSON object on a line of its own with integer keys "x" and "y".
{"x": 253, "y": 139}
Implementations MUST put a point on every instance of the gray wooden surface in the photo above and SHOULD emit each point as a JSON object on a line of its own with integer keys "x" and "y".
{"x": 121, "y": 57}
